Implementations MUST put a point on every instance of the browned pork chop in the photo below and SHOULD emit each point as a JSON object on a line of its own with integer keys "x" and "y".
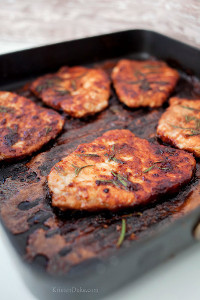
{"x": 24, "y": 126}
{"x": 118, "y": 170}
{"x": 143, "y": 83}
{"x": 180, "y": 125}
{"x": 78, "y": 91}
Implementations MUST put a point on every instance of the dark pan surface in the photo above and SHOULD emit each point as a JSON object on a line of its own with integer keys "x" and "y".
{"x": 58, "y": 241}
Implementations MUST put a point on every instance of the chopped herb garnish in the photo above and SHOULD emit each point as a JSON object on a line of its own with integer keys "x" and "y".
{"x": 117, "y": 160}
{"x": 122, "y": 234}
{"x": 153, "y": 165}
{"x": 62, "y": 92}
{"x": 48, "y": 83}
{"x": 193, "y": 130}
{"x": 73, "y": 84}
{"x": 88, "y": 155}
{"x": 193, "y": 118}
{"x": 190, "y": 108}
{"x": 98, "y": 182}
{"x": 163, "y": 168}
{"x": 179, "y": 127}
{"x": 5, "y": 109}
{"x": 48, "y": 129}
{"x": 112, "y": 156}
{"x": 59, "y": 169}
{"x": 78, "y": 169}
{"x": 123, "y": 180}
{"x": 118, "y": 181}
{"x": 149, "y": 169}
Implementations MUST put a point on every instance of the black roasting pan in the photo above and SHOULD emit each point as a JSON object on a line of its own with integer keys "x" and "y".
{"x": 106, "y": 272}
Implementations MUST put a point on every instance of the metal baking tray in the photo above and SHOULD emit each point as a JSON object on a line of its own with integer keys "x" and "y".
{"x": 74, "y": 254}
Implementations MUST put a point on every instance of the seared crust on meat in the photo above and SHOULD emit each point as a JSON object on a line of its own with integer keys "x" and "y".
{"x": 118, "y": 170}
{"x": 25, "y": 127}
{"x": 143, "y": 83}
{"x": 180, "y": 125}
{"x": 78, "y": 91}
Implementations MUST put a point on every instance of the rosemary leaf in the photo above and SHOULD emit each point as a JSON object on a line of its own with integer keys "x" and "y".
{"x": 78, "y": 169}
{"x": 48, "y": 83}
{"x": 112, "y": 156}
{"x": 48, "y": 129}
{"x": 190, "y": 108}
{"x": 59, "y": 169}
{"x": 179, "y": 127}
{"x": 73, "y": 84}
{"x": 5, "y": 109}
{"x": 149, "y": 169}
{"x": 194, "y": 133}
{"x": 153, "y": 165}
{"x": 117, "y": 160}
{"x": 120, "y": 178}
{"x": 62, "y": 92}
{"x": 114, "y": 182}
{"x": 189, "y": 118}
{"x": 193, "y": 130}
{"x": 122, "y": 234}
{"x": 88, "y": 155}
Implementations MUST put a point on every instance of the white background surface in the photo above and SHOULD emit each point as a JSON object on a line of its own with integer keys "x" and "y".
{"x": 24, "y": 24}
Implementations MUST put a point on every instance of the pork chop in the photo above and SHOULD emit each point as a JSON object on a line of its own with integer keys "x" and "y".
{"x": 143, "y": 83}
{"x": 24, "y": 126}
{"x": 118, "y": 170}
{"x": 78, "y": 91}
{"x": 180, "y": 125}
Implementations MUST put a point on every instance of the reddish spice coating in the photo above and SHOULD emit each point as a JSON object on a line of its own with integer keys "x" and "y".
{"x": 114, "y": 171}
{"x": 24, "y": 126}
{"x": 143, "y": 83}
{"x": 78, "y": 91}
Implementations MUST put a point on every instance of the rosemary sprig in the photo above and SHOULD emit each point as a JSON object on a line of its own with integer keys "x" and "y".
{"x": 149, "y": 169}
{"x": 79, "y": 169}
{"x": 73, "y": 84}
{"x": 62, "y": 92}
{"x": 122, "y": 234}
{"x": 48, "y": 83}
{"x": 189, "y": 118}
{"x": 190, "y": 108}
{"x": 114, "y": 182}
{"x": 118, "y": 181}
{"x": 59, "y": 169}
{"x": 112, "y": 156}
{"x": 193, "y": 130}
{"x": 153, "y": 165}
{"x": 179, "y": 127}
{"x": 5, "y": 109}
{"x": 88, "y": 155}
{"x": 123, "y": 180}
{"x": 48, "y": 129}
